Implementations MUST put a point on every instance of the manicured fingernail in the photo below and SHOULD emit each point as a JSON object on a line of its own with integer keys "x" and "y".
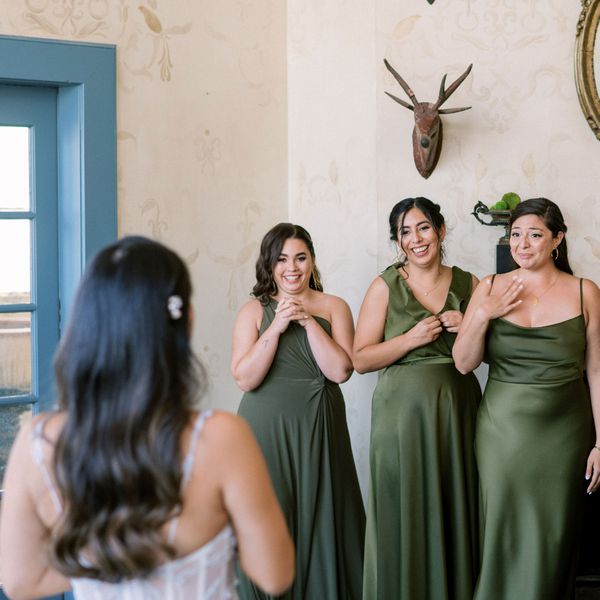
{"x": 587, "y": 476}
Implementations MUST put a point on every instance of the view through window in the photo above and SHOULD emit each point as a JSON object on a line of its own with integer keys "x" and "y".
{"x": 16, "y": 222}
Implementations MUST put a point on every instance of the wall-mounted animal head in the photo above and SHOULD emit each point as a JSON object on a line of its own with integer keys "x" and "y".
{"x": 427, "y": 134}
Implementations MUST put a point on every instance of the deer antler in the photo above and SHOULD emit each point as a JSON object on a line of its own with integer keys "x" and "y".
{"x": 427, "y": 132}
{"x": 403, "y": 85}
{"x": 445, "y": 94}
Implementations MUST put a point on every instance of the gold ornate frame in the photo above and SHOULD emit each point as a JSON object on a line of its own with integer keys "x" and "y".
{"x": 587, "y": 90}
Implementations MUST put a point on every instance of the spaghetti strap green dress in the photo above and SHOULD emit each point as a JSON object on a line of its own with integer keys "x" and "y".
{"x": 299, "y": 419}
{"x": 533, "y": 436}
{"x": 422, "y": 519}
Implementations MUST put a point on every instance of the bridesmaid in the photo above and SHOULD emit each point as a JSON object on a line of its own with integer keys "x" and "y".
{"x": 539, "y": 329}
{"x": 291, "y": 349}
{"x": 422, "y": 538}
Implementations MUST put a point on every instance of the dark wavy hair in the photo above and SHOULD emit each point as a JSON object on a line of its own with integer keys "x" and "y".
{"x": 127, "y": 381}
{"x": 430, "y": 209}
{"x": 550, "y": 214}
{"x": 270, "y": 249}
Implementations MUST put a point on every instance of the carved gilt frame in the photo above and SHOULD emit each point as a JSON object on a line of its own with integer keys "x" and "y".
{"x": 587, "y": 90}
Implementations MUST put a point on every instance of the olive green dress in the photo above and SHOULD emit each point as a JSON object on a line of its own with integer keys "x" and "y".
{"x": 422, "y": 520}
{"x": 299, "y": 419}
{"x": 533, "y": 436}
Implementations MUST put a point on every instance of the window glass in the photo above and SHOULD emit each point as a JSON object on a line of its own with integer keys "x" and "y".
{"x": 15, "y": 270}
{"x": 14, "y": 168}
{"x": 15, "y": 354}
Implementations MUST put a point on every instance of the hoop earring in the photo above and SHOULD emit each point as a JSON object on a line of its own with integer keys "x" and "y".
{"x": 555, "y": 256}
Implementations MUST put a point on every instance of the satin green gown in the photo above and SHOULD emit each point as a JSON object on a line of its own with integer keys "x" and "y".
{"x": 299, "y": 419}
{"x": 533, "y": 437}
{"x": 422, "y": 519}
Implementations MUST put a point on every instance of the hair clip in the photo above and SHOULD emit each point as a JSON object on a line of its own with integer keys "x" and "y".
{"x": 118, "y": 255}
{"x": 174, "y": 306}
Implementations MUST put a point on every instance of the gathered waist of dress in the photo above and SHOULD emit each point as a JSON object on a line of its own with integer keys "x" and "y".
{"x": 426, "y": 360}
{"x": 319, "y": 380}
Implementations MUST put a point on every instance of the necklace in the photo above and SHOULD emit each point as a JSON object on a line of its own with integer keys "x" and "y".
{"x": 427, "y": 292}
{"x": 536, "y": 299}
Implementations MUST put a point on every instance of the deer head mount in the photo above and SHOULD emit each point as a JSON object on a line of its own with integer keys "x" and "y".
{"x": 427, "y": 133}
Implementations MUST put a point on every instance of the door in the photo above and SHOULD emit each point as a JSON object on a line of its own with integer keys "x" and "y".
{"x": 29, "y": 304}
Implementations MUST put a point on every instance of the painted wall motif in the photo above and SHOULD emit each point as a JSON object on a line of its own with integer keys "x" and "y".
{"x": 525, "y": 133}
{"x": 235, "y": 115}
{"x": 202, "y": 138}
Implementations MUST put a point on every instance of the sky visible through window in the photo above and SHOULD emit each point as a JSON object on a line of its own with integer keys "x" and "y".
{"x": 14, "y": 196}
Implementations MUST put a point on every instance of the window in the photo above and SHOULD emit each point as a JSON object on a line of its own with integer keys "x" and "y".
{"x": 28, "y": 255}
{"x": 45, "y": 242}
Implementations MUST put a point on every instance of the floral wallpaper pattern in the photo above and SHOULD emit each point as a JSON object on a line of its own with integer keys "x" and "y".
{"x": 525, "y": 133}
{"x": 201, "y": 140}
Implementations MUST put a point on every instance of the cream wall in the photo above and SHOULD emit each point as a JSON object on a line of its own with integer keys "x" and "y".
{"x": 202, "y": 137}
{"x": 350, "y": 155}
{"x": 235, "y": 115}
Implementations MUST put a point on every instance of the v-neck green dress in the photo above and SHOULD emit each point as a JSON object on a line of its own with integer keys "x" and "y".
{"x": 299, "y": 419}
{"x": 422, "y": 519}
{"x": 534, "y": 433}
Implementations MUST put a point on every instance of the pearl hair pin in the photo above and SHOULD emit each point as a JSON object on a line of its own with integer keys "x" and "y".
{"x": 174, "y": 306}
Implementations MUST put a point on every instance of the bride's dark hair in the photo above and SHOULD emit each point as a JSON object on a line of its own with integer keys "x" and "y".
{"x": 127, "y": 381}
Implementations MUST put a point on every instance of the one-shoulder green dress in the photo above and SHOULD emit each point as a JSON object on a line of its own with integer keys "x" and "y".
{"x": 533, "y": 436}
{"x": 422, "y": 519}
{"x": 299, "y": 419}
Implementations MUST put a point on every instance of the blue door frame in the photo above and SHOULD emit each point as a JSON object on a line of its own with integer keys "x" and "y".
{"x": 84, "y": 77}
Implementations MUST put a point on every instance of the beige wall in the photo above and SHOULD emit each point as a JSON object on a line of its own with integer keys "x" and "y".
{"x": 233, "y": 116}
{"x": 351, "y": 150}
{"x": 202, "y": 138}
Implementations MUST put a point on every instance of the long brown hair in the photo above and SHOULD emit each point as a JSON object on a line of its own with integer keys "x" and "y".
{"x": 127, "y": 381}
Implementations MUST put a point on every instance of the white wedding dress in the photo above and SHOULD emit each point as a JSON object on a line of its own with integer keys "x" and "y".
{"x": 205, "y": 574}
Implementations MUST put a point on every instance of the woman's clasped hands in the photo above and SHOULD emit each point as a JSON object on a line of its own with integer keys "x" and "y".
{"x": 290, "y": 309}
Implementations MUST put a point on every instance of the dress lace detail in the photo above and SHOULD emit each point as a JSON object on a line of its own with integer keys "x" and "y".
{"x": 205, "y": 574}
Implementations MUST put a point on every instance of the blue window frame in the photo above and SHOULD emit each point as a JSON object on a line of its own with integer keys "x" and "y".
{"x": 81, "y": 76}
{"x": 84, "y": 78}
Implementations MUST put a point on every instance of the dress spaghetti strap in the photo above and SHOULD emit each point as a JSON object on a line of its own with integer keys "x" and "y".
{"x": 188, "y": 464}
{"x": 37, "y": 435}
{"x": 581, "y": 293}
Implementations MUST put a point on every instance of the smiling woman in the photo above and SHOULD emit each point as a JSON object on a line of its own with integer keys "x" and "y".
{"x": 291, "y": 348}
{"x": 422, "y": 536}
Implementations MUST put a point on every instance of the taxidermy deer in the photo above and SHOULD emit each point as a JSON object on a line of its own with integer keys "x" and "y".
{"x": 427, "y": 134}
